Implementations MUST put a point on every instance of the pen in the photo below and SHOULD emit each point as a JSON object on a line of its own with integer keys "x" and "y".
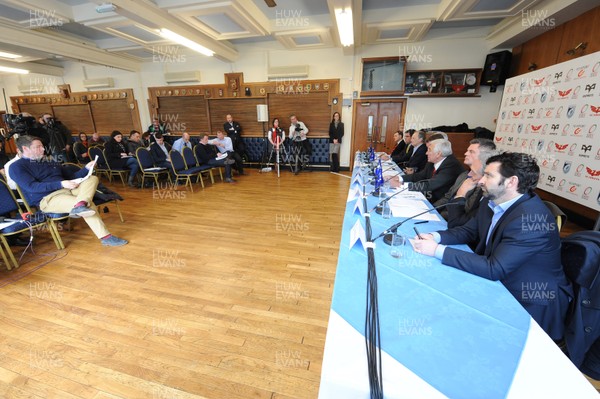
{"x": 422, "y": 221}
{"x": 418, "y": 234}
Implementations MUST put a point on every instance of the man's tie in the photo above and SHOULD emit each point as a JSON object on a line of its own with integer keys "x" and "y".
{"x": 434, "y": 170}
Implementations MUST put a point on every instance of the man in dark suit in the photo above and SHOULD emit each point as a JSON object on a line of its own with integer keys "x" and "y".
{"x": 159, "y": 150}
{"x": 439, "y": 174}
{"x": 234, "y": 132}
{"x": 402, "y": 143}
{"x": 416, "y": 157}
{"x": 518, "y": 245}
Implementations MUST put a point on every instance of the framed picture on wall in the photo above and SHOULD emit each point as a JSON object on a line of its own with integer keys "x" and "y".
{"x": 383, "y": 76}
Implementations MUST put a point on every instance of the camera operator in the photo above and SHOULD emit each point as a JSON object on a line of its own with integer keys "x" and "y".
{"x": 298, "y": 133}
{"x": 59, "y": 138}
{"x": 24, "y": 124}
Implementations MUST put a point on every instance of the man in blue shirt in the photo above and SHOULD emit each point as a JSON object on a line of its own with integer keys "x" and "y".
{"x": 225, "y": 145}
{"x": 50, "y": 187}
{"x": 518, "y": 241}
{"x": 184, "y": 141}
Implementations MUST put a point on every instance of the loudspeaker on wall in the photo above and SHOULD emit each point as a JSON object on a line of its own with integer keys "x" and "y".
{"x": 496, "y": 69}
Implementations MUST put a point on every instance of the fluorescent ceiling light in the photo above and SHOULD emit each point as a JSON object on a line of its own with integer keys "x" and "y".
{"x": 13, "y": 70}
{"x": 343, "y": 17}
{"x": 167, "y": 34}
{"x": 9, "y": 55}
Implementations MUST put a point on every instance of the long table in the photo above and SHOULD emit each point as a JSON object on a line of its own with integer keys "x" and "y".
{"x": 444, "y": 333}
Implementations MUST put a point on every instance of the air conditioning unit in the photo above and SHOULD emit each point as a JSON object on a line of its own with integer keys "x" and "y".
{"x": 100, "y": 83}
{"x": 182, "y": 77}
{"x": 295, "y": 71}
{"x": 27, "y": 89}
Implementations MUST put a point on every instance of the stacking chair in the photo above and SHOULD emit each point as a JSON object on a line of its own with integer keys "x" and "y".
{"x": 51, "y": 217}
{"x": 199, "y": 163}
{"x": 560, "y": 216}
{"x": 77, "y": 149}
{"x": 101, "y": 166}
{"x": 9, "y": 205}
{"x": 122, "y": 173}
{"x": 147, "y": 166}
{"x": 74, "y": 168}
{"x": 181, "y": 172}
{"x": 191, "y": 162}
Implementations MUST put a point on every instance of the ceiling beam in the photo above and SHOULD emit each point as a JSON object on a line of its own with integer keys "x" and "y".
{"x": 148, "y": 14}
{"x": 51, "y": 42}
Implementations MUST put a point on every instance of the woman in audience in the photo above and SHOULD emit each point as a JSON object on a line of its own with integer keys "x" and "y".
{"x": 118, "y": 158}
{"x": 80, "y": 148}
{"x": 336, "y": 132}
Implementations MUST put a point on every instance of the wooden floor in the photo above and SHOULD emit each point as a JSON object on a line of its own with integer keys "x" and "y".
{"x": 221, "y": 293}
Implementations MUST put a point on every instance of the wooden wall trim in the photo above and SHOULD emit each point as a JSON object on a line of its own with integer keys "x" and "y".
{"x": 235, "y": 88}
{"x": 120, "y": 102}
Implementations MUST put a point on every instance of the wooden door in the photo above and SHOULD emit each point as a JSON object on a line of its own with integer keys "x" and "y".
{"x": 375, "y": 123}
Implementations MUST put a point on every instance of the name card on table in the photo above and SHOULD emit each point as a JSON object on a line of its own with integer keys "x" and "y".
{"x": 358, "y": 179}
{"x": 353, "y": 194}
{"x": 358, "y": 237}
{"x": 358, "y": 208}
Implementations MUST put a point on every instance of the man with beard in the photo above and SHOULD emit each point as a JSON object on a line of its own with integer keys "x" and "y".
{"x": 519, "y": 243}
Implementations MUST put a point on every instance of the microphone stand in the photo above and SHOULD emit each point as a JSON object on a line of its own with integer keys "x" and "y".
{"x": 389, "y": 232}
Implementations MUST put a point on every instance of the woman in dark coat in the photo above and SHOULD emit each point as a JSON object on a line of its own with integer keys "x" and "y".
{"x": 336, "y": 132}
{"x": 117, "y": 157}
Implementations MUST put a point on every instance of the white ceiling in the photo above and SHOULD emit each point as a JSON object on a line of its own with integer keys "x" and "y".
{"x": 50, "y": 31}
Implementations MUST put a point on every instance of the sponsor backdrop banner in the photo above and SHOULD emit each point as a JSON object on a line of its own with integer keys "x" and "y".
{"x": 554, "y": 115}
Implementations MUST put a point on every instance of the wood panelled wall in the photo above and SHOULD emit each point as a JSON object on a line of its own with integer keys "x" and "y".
{"x": 100, "y": 111}
{"x": 551, "y": 47}
{"x": 243, "y": 110}
{"x": 203, "y": 108}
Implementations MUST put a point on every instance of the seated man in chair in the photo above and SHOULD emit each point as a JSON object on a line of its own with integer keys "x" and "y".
{"x": 50, "y": 186}
{"x": 207, "y": 155}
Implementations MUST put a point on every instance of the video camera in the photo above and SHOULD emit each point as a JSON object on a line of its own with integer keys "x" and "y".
{"x": 298, "y": 127}
{"x": 17, "y": 123}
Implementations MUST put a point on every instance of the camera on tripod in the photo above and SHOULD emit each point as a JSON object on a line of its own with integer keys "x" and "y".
{"x": 298, "y": 130}
{"x": 17, "y": 123}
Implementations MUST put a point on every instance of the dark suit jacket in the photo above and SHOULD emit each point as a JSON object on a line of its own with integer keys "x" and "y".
{"x": 399, "y": 151}
{"x": 418, "y": 159}
{"x": 523, "y": 254}
{"x": 336, "y": 133}
{"x": 435, "y": 186}
{"x": 158, "y": 154}
{"x": 113, "y": 151}
{"x": 205, "y": 152}
{"x": 461, "y": 210}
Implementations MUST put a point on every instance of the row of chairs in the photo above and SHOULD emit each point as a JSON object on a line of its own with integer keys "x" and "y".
{"x": 185, "y": 167}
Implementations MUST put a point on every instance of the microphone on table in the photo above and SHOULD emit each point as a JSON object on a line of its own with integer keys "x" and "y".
{"x": 388, "y": 233}
{"x": 385, "y": 180}
{"x": 383, "y": 201}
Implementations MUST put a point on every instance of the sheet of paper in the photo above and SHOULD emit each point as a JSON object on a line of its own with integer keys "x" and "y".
{"x": 89, "y": 173}
{"x": 405, "y": 208}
